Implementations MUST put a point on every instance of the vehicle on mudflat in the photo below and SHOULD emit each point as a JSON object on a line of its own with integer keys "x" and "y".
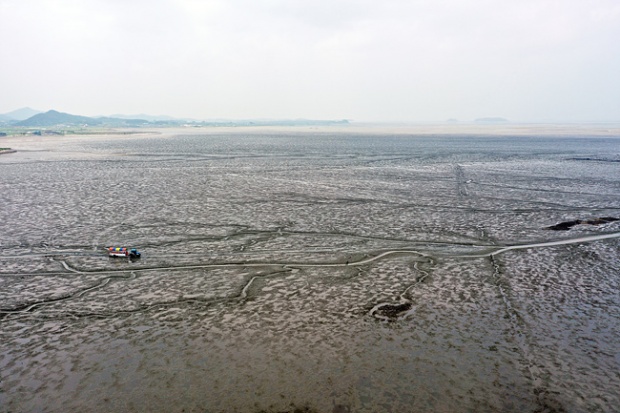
{"x": 123, "y": 252}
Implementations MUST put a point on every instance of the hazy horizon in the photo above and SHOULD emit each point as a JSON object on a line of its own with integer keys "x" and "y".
{"x": 398, "y": 61}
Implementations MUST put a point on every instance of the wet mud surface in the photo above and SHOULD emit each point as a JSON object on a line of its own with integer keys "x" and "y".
{"x": 310, "y": 272}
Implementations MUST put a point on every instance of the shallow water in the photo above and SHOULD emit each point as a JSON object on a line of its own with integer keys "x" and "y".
{"x": 310, "y": 270}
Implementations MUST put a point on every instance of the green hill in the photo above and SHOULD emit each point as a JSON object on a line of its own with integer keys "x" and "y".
{"x": 55, "y": 118}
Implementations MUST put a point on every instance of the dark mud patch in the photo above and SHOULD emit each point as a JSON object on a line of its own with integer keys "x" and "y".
{"x": 547, "y": 403}
{"x": 392, "y": 311}
{"x": 565, "y": 226}
{"x": 593, "y": 159}
{"x": 339, "y": 408}
{"x": 291, "y": 410}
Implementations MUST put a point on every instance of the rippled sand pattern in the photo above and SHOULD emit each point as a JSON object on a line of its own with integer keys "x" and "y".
{"x": 309, "y": 271}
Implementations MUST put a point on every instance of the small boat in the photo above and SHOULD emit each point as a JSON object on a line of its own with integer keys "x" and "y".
{"x": 123, "y": 252}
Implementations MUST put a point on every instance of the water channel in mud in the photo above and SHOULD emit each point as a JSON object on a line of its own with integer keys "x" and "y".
{"x": 311, "y": 270}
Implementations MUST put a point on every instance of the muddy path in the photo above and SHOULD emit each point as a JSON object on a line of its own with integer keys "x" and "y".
{"x": 393, "y": 310}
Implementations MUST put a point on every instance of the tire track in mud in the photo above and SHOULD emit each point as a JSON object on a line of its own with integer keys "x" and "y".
{"x": 520, "y": 333}
{"x": 288, "y": 267}
{"x": 534, "y": 189}
{"x": 523, "y": 341}
{"x": 77, "y": 250}
{"x": 462, "y": 197}
{"x": 461, "y": 190}
{"x": 25, "y": 308}
{"x": 394, "y": 310}
{"x": 550, "y": 206}
{"x": 243, "y": 295}
{"x": 459, "y": 175}
{"x": 67, "y": 267}
{"x": 589, "y": 238}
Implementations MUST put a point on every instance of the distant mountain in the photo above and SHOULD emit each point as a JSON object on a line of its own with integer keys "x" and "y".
{"x": 21, "y": 114}
{"x": 491, "y": 120}
{"x": 54, "y": 118}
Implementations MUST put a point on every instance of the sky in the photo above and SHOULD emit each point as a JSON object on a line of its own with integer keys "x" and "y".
{"x": 362, "y": 60}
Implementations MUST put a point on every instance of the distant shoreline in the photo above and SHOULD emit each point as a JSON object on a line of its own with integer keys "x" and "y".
{"x": 507, "y": 129}
{"x": 6, "y": 150}
{"x": 556, "y": 131}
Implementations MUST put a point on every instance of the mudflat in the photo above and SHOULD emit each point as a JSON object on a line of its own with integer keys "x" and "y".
{"x": 355, "y": 269}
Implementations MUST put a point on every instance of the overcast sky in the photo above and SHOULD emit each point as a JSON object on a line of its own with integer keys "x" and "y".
{"x": 365, "y": 60}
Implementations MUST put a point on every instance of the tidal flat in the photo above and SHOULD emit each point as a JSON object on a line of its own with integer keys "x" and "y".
{"x": 312, "y": 270}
